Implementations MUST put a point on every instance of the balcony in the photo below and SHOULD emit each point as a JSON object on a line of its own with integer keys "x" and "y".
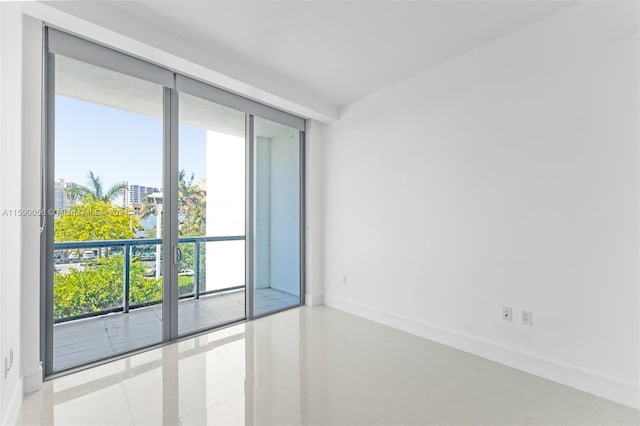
{"x": 125, "y": 312}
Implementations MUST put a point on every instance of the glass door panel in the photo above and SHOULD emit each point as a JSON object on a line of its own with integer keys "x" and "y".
{"x": 211, "y": 214}
{"x": 107, "y": 282}
{"x": 277, "y": 216}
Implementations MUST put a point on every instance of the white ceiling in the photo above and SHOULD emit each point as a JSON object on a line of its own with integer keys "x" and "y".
{"x": 335, "y": 51}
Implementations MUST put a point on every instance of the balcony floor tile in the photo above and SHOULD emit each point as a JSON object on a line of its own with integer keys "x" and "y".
{"x": 92, "y": 339}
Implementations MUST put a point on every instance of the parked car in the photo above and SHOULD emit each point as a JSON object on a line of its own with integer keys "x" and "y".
{"x": 187, "y": 272}
{"x": 74, "y": 256}
{"x": 147, "y": 256}
{"x": 88, "y": 255}
{"x": 150, "y": 271}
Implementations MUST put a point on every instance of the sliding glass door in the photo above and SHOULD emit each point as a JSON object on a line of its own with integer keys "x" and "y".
{"x": 107, "y": 281}
{"x": 173, "y": 207}
{"x": 211, "y": 214}
{"x": 277, "y": 216}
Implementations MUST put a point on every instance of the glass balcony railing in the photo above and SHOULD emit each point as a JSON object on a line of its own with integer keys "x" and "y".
{"x": 94, "y": 278}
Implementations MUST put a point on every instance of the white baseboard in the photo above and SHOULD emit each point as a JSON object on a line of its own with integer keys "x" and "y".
{"x": 623, "y": 392}
{"x": 33, "y": 381}
{"x": 13, "y": 409}
{"x": 311, "y": 300}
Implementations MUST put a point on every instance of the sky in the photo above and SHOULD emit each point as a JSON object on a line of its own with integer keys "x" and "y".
{"x": 118, "y": 145}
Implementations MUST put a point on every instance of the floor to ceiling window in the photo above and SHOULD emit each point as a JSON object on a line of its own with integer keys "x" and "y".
{"x": 108, "y": 159}
{"x": 277, "y": 216}
{"x": 211, "y": 214}
{"x": 173, "y": 206}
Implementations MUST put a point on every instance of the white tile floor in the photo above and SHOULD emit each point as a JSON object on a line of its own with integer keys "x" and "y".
{"x": 313, "y": 366}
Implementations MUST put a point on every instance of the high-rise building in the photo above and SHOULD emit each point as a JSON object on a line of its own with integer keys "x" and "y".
{"x": 59, "y": 187}
{"x": 136, "y": 193}
{"x": 62, "y": 199}
{"x": 133, "y": 195}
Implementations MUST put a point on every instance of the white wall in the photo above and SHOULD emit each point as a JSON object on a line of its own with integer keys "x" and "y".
{"x": 31, "y": 200}
{"x": 10, "y": 199}
{"x": 507, "y": 176}
{"x": 278, "y": 212}
{"x": 314, "y": 203}
{"x": 225, "y": 210}
{"x": 20, "y": 114}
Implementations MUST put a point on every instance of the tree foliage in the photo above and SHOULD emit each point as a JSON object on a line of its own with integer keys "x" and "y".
{"x": 95, "y": 190}
{"x": 191, "y": 206}
{"x": 192, "y": 210}
{"x": 95, "y": 220}
{"x": 100, "y": 287}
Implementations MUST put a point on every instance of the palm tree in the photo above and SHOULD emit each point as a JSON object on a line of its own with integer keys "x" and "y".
{"x": 189, "y": 195}
{"x": 191, "y": 204}
{"x": 148, "y": 208}
{"x": 94, "y": 190}
{"x": 195, "y": 222}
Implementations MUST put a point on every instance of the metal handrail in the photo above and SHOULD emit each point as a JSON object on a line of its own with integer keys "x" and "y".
{"x": 127, "y": 244}
{"x": 137, "y": 242}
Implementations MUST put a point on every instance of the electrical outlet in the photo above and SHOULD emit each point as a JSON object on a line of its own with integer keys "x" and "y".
{"x": 527, "y": 318}
{"x": 507, "y": 313}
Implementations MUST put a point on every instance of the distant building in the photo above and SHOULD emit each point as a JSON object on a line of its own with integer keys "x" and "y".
{"x": 60, "y": 195}
{"x": 137, "y": 193}
{"x": 133, "y": 196}
{"x": 62, "y": 199}
{"x": 136, "y": 208}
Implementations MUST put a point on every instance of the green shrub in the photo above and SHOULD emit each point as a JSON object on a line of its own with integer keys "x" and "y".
{"x": 100, "y": 287}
